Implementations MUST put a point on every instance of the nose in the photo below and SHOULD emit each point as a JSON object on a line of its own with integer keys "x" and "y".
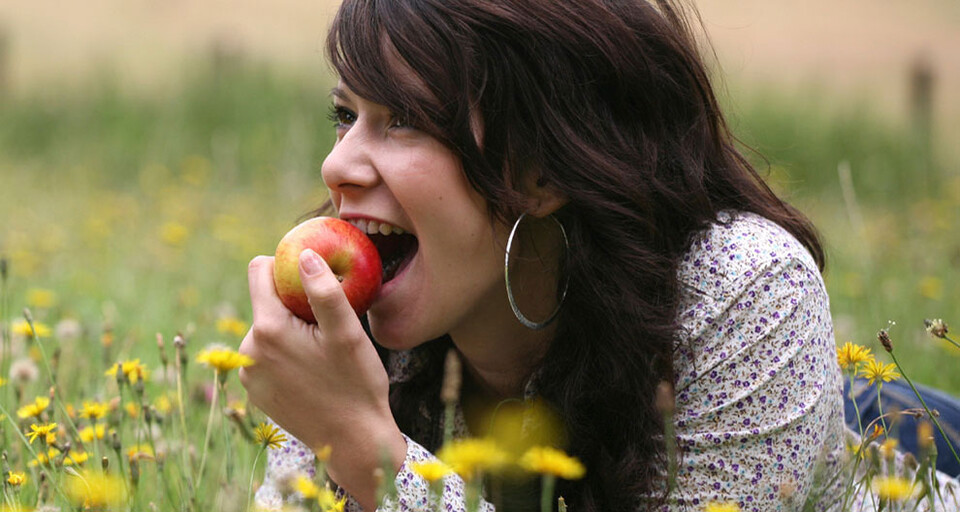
{"x": 349, "y": 167}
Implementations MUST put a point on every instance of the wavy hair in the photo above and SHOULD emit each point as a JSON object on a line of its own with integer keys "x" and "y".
{"x": 609, "y": 102}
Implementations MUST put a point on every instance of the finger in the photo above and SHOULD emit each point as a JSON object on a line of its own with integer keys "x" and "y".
{"x": 266, "y": 304}
{"x": 335, "y": 317}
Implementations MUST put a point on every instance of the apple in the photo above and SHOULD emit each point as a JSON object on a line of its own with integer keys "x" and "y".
{"x": 347, "y": 250}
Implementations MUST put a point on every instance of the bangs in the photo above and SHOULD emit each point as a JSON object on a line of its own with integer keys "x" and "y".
{"x": 370, "y": 47}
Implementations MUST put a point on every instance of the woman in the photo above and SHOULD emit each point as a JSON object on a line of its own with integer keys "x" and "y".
{"x": 590, "y": 126}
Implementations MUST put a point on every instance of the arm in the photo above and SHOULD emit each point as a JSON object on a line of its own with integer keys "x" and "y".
{"x": 758, "y": 389}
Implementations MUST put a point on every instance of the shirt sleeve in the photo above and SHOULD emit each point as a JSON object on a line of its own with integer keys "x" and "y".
{"x": 757, "y": 384}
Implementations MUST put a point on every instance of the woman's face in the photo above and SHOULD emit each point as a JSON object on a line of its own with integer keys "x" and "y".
{"x": 451, "y": 277}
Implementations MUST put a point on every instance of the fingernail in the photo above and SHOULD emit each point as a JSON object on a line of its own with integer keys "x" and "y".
{"x": 310, "y": 261}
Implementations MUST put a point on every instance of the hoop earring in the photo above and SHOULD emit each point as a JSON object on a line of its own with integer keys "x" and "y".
{"x": 506, "y": 276}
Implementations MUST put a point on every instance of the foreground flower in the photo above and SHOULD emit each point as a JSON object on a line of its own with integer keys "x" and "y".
{"x": 132, "y": 369}
{"x": 716, "y": 506}
{"x": 550, "y": 461}
{"x": 41, "y": 430}
{"x": 876, "y": 371}
{"x": 16, "y": 478}
{"x": 35, "y": 409}
{"x": 269, "y": 436}
{"x": 936, "y": 327}
{"x": 95, "y": 490}
{"x": 469, "y": 456}
{"x": 224, "y": 359}
{"x": 22, "y": 327}
{"x": 850, "y": 355}
{"x": 94, "y": 410}
{"x": 431, "y": 470}
{"x": 892, "y": 488}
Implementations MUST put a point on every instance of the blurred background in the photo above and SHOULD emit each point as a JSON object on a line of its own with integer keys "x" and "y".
{"x": 148, "y": 150}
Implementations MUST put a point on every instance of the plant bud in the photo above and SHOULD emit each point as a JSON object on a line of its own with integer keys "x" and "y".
{"x": 4, "y": 267}
{"x": 884, "y": 338}
{"x": 665, "y": 403}
{"x": 936, "y": 327}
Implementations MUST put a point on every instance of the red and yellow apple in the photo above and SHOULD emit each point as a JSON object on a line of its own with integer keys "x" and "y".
{"x": 348, "y": 251}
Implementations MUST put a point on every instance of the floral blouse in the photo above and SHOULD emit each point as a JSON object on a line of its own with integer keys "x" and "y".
{"x": 759, "y": 409}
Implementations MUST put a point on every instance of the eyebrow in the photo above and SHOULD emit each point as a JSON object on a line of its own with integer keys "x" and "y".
{"x": 338, "y": 93}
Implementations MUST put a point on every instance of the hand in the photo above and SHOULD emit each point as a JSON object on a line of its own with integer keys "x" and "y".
{"x": 324, "y": 383}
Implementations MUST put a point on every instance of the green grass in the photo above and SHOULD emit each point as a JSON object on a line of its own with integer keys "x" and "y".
{"x": 142, "y": 213}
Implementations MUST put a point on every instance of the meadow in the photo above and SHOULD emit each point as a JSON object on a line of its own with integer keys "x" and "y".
{"x": 129, "y": 218}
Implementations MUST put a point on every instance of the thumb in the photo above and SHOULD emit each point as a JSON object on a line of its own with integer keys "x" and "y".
{"x": 329, "y": 303}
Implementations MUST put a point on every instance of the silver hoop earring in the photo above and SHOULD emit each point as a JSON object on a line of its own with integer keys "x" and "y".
{"x": 506, "y": 276}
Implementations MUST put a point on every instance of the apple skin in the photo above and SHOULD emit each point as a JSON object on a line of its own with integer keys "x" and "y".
{"x": 347, "y": 250}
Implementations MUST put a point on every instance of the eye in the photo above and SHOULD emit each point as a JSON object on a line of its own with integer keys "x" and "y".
{"x": 341, "y": 117}
{"x": 400, "y": 122}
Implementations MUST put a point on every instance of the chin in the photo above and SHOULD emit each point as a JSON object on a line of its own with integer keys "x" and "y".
{"x": 396, "y": 337}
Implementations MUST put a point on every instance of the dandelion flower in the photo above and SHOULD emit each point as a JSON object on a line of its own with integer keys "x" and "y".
{"x": 2, "y": 381}
{"x": 22, "y": 328}
{"x": 94, "y": 410}
{"x": 24, "y": 371}
{"x": 40, "y": 298}
{"x": 88, "y": 434}
{"x": 307, "y": 487}
{"x": 231, "y": 325}
{"x": 888, "y": 448}
{"x": 44, "y": 458}
{"x": 892, "y": 488}
{"x": 140, "y": 451}
{"x": 328, "y": 501}
{"x": 716, "y": 506}
{"x": 431, "y": 470}
{"x": 16, "y": 478}
{"x": 850, "y": 355}
{"x": 68, "y": 330}
{"x": 41, "y": 430}
{"x": 95, "y": 490}
{"x": 936, "y": 327}
{"x": 75, "y": 458}
{"x": 550, "y": 461}
{"x": 323, "y": 454}
{"x": 174, "y": 233}
{"x": 224, "y": 359}
{"x": 876, "y": 371}
{"x": 132, "y": 369}
{"x": 468, "y": 456}
{"x": 35, "y": 409}
{"x": 269, "y": 436}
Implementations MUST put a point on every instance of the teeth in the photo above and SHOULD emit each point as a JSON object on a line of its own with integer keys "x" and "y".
{"x": 372, "y": 227}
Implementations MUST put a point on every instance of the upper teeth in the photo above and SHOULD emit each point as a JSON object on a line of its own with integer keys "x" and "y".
{"x": 372, "y": 227}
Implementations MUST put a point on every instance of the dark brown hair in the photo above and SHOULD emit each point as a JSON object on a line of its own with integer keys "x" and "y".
{"x": 609, "y": 102}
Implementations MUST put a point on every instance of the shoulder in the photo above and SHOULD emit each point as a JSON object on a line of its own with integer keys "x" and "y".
{"x": 730, "y": 252}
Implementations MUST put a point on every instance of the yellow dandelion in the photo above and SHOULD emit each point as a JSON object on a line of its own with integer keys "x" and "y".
{"x": 35, "y": 409}
{"x": 469, "y": 456}
{"x": 223, "y": 359}
{"x": 850, "y": 355}
{"x": 174, "y": 233}
{"x": 925, "y": 435}
{"x": 2, "y": 381}
{"x": 41, "y": 430}
{"x": 231, "y": 325}
{"x": 307, "y": 487}
{"x": 269, "y": 436}
{"x": 132, "y": 369}
{"x": 323, "y": 454}
{"x": 40, "y": 298}
{"x": 88, "y": 434}
{"x": 892, "y": 488}
{"x": 75, "y": 458}
{"x": 163, "y": 405}
{"x": 139, "y": 452}
{"x": 431, "y": 470}
{"x": 550, "y": 461}
{"x": 327, "y": 499}
{"x": 94, "y": 410}
{"x": 888, "y": 448}
{"x": 95, "y": 490}
{"x": 22, "y": 328}
{"x": 132, "y": 409}
{"x": 876, "y": 371}
{"x": 16, "y": 478}
{"x": 44, "y": 458}
{"x": 717, "y": 506}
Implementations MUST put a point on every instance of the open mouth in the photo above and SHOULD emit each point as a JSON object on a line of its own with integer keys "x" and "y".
{"x": 395, "y": 245}
{"x": 396, "y": 251}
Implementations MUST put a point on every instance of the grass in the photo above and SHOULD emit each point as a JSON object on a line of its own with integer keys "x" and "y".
{"x": 137, "y": 216}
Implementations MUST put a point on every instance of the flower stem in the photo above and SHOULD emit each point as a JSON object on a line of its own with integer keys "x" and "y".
{"x": 548, "y": 483}
{"x": 206, "y": 437}
{"x": 929, "y": 413}
{"x": 253, "y": 471}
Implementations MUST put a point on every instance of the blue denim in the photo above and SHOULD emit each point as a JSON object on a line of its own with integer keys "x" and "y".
{"x": 898, "y": 395}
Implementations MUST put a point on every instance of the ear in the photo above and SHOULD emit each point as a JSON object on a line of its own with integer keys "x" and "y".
{"x": 543, "y": 198}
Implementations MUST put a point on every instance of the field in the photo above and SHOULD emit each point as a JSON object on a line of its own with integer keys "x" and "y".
{"x": 127, "y": 216}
